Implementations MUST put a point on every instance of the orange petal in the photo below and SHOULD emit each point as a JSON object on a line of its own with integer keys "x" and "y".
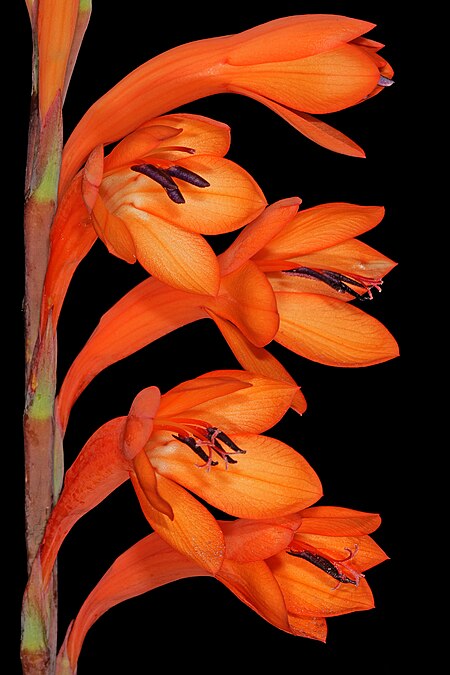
{"x": 180, "y": 259}
{"x": 319, "y": 228}
{"x": 84, "y": 14}
{"x": 138, "y": 144}
{"x": 146, "y": 313}
{"x": 270, "y": 480}
{"x": 146, "y": 477}
{"x": 232, "y": 199}
{"x": 247, "y": 300}
{"x": 316, "y": 130}
{"x": 366, "y": 551}
{"x": 248, "y": 402}
{"x": 98, "y": 470}
{"x": 56, "y": 28}
{"x": 254, "y": 584}
{"x": 193, "y": 531}
{"x": 71, "y": 238}
{"x": 331, "y": 331}
{"x": 251, "y": 540}
{"x": 203, "y": 134}
{"x": 258, "y": 233}
{"x": 295, "y": 37}
{"x": 352, "y": 258}
{"x": 149, "y": 564}
{"x": 322, "y": 83}
{"x": 313, "y": 627}
{"x": 309, "y": 591}
{"x": 256, "y": 359}
{"x": 206, "y": 389}
{"x": 338, "y": 521}
{"x": 113, "y": 231}
{"x": 92, "y": 177}
{"x": 139, "y": 424}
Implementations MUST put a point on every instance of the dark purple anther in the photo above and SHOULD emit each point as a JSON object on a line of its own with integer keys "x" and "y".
{"x": 323, "y": 564}
{"x": 158, "y": 175}
{"x": 188, "y": 176}
{"x": 338, "y": 282}
{"x": 215, "y": 434}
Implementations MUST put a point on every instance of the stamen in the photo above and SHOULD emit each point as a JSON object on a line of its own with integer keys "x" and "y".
{"x": 187, "y": 176}
{"x": 214, "y": 433}
{"x": 161, "y": 177}
{"x": 197, "y": 435}
{"x": 193, "y": 445}
{"x": 385, "y": 81}
{"x": 339, "y": 282}
{"x": 328, "y": 566}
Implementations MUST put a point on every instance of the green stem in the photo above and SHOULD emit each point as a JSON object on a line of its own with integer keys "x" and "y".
{"x": 39, "y": 614}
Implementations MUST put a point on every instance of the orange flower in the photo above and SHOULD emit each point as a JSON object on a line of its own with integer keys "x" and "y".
{"x": 217, "y": 417}
{"x": 294, "y": 571}
{"x": 149, "y": 200}
{"x": 295, "y": 65}
{"x": 288, "y": 276}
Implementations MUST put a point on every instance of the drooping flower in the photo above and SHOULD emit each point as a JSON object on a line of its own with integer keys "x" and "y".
{"x": 295, "y": 65}
{"x": 202, "y": 438}
{"x": 289, "y": 276}
{"x": 149, "y": 200}
{"x": 294, "y": 571}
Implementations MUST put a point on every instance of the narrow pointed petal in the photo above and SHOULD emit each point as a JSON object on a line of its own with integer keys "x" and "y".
{"x": 149, "y": 564}
{"x": 258, "y": 233}
{"x": 256, "y": 359}
{"x": 309, "y": 591}
{"x": 366, "y": 551}
{"x": 295, "y": 37}
{"x": 332, "y": 332}
{"x": 147, "y": 312}
{"x": 252, "y": 409}
{"x": 247, "y": 300}
{"x": 321, "y": 227}
{"x": 270, "y": 480}
{"x": 351, "y": 258}
{"x": 316, "y": 130}
{"x": 252, "y": 540}
{"x": 193, "y": 531}
{"x": 98, "y": 470}
{"x": 139, "y": 423}
{"x": 56, "y": 28}
{"x": 338, "y": 521}
{"x": 72, "y": 236}
{"x": 254, "y": 584}
{"x": 313, "y": 627}
{"x": 206, "y": 135}
{"x": 205, "y": 389}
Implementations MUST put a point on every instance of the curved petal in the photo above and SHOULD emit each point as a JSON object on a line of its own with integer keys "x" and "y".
{"x": 146, "y": 478}
{"x": 332, "y": 332}
{"x": 139, "y": 144}
{"x": 203, "y": 134}
{"x": 316, "y": 130}
{"x": 71, "y": 238}
{"x": 181, "y": 259}
{"x": 309, "y": 591}
{"x": 140, "y": 419}
{"x": 92, "y": 176}
{"x": 254, "y": 584}
{"x": 232, "y": 199}
{"x": 323, "y": 83}
{"x": 98, "y": 470}
{"x": 251, "y": 540}
{"x": 319, "y": 228}
{"x": 113, "y": 231}
{"x": 313, "y": 627}
{"x": 239, "y": 402}
{"x": 295, "y": 37}
{"x": 364, "y": 551}
{"x": 147, "y": 312}
{"x": 149, "y": 564}
{"x": 270, "y": 479}
{"x": 256, "y": 359}
{"x": 338, "y": 521}
{"x": 194, "y": 532}
{"x": 247, "y": 300}
{"x": 258, "y": 233}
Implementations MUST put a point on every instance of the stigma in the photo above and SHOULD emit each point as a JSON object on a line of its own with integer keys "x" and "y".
{"x": 165, "y": 178}
{"x": 339, "y": 282}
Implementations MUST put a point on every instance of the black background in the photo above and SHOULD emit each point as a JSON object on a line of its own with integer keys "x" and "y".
{"x": 352, "y": 431}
